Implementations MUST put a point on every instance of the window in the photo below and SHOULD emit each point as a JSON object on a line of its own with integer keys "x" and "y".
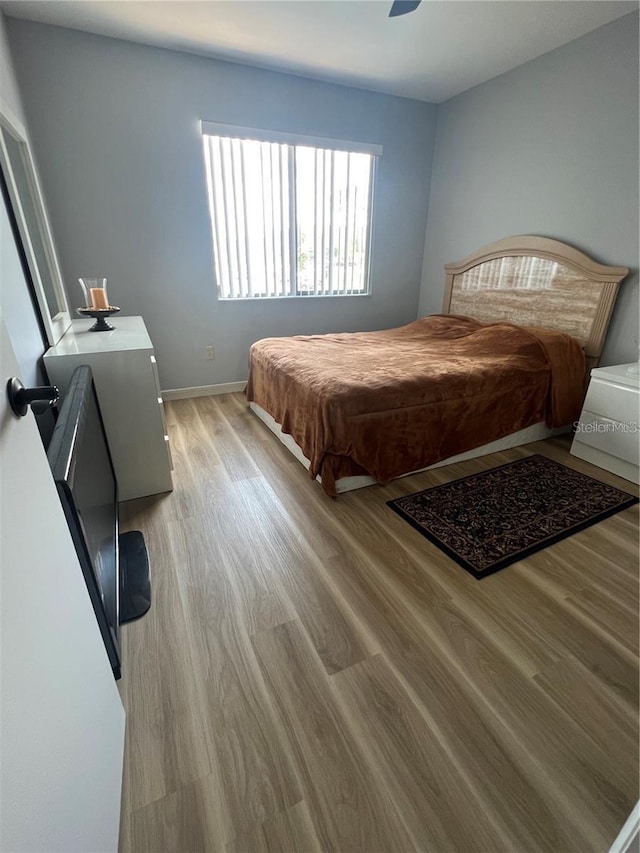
{"x": 290, "y": 214}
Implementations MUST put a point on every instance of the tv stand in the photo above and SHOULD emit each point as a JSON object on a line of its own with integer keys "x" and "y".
{"x": 135, "y": 582}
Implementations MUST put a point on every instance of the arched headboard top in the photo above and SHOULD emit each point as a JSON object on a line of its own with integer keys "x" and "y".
{"x": 536, "y": 281}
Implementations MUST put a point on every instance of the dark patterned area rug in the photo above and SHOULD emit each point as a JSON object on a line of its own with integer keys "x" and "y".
{"x": 489, "y": 520}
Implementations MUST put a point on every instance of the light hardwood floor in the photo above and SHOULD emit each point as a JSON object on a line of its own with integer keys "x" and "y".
{"x": 315, "y": 675}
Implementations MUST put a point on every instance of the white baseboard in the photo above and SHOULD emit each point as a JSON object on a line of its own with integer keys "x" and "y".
{"x": 203, "y": 390}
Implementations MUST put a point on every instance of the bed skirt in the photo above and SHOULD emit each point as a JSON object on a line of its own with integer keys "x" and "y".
{"x": 536, "y": 432}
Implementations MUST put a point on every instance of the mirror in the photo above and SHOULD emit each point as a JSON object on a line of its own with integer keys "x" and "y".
{"x": 28, "y": 206}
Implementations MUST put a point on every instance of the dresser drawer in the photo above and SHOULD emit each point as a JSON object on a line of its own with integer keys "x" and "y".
{"x": 609, "y": 436}
{"x": 612, "y": 401}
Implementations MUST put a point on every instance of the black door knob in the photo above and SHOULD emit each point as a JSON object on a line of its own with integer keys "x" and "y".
{"x": 20, "y": 398}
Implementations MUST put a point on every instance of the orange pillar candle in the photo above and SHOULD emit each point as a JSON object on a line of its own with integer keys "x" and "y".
{"x": 99, "y": 298}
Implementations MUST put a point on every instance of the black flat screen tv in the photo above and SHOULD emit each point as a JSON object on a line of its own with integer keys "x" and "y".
{"x": 83, "y": 472}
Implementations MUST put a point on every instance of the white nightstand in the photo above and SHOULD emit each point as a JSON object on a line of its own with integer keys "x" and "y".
{"x": 609, "y": 430}
{"x": 126, "y": 379}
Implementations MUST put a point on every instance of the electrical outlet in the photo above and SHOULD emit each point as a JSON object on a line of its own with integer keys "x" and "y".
{"x": 211, "y": 353}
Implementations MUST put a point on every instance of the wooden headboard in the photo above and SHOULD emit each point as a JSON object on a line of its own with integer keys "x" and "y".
{"x": 534, "y": 281}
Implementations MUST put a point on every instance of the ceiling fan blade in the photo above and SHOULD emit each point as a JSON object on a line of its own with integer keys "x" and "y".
{"x": 402, "y": 7}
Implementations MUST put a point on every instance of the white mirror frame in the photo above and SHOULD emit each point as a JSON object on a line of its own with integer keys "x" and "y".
{"x": 55, "y": 324}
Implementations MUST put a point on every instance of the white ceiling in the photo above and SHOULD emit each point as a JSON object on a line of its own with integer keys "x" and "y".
{"x": 440, "y": 50}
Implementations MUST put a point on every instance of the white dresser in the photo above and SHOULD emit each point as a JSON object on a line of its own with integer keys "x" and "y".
{"x": 126, "y": 379}
{"x": 609, "y": 431}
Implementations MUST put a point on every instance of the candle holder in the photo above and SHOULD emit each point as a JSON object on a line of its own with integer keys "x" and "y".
{"x": 101, "y": 324}
{"x": 97, "y": 303}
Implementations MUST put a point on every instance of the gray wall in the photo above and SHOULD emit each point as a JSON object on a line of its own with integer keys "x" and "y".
{"x": 19, "y": 313}
{"x": 115, "y": 128}
{"x": 8, "y": 85}
{"x": 550, "y": 148}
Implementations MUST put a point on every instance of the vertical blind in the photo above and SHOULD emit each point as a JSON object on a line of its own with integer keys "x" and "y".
{"x": 289, "y": 218}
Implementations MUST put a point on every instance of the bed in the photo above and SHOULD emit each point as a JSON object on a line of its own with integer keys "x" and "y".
{"x": 523, "y": 322}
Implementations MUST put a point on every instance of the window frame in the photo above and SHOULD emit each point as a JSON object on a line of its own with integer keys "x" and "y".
{"x": 241, "y": 132}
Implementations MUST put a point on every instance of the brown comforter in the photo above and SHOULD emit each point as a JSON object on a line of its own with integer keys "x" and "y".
{"x": 386, "y": 403}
